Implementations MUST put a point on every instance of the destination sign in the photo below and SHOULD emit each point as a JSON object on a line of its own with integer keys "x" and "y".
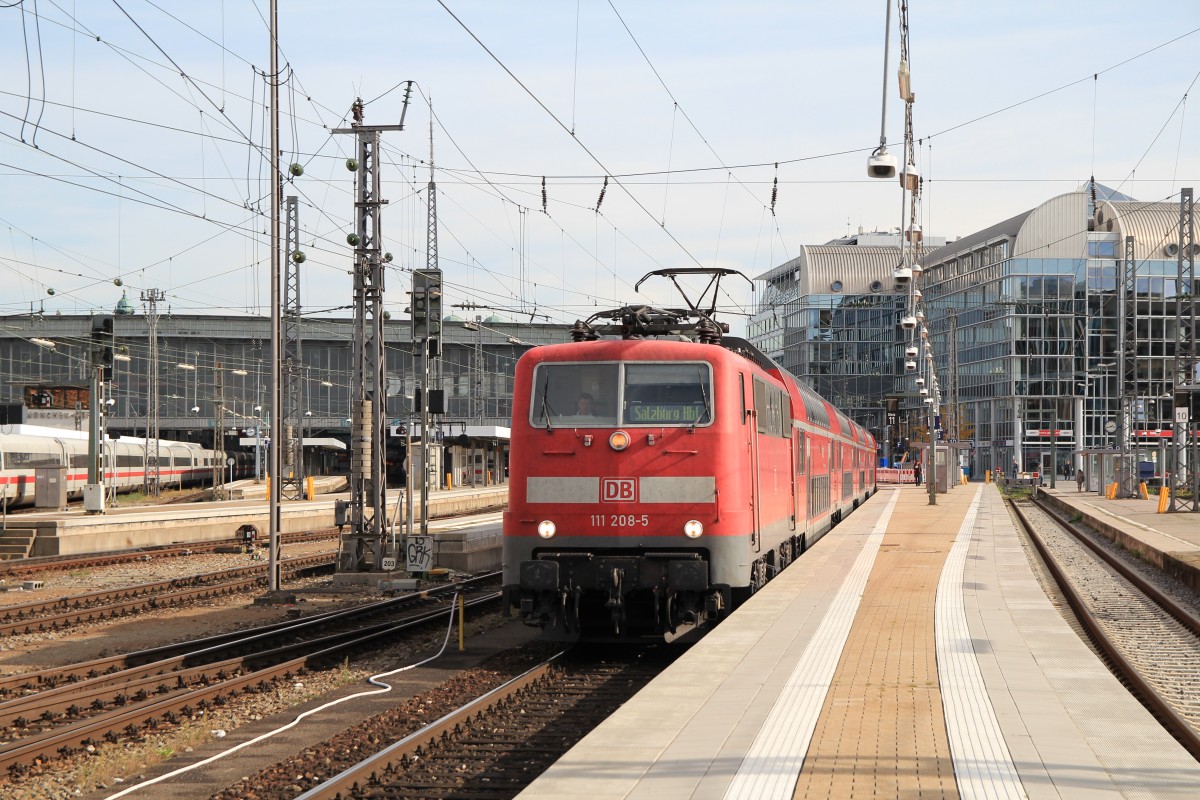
{"x": 666, "y": 413}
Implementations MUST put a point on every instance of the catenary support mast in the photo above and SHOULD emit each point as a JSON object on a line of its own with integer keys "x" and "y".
{"x": 362, "y": 548}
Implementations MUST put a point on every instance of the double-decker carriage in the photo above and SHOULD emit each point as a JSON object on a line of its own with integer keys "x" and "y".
{"x": 660, "y": 478}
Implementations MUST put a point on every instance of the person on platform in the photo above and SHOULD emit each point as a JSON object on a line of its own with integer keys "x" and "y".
{"x": 1079, "y": 479}
{"x": 917, "y": 472}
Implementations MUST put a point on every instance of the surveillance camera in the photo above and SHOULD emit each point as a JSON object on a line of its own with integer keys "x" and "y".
{"x": 881, "y": 164}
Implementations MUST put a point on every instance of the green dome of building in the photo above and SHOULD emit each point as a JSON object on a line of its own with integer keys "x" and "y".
{"x": 124, "y": 308}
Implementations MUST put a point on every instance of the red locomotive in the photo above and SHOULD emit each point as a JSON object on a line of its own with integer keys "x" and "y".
{"x": 661, "y": 478}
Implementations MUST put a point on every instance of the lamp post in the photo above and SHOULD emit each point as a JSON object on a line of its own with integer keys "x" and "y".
{"x": 258, "y": 445}
{"x": 304, "y": 432}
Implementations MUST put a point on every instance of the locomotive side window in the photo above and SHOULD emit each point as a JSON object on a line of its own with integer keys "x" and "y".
{"x": 771, "y": 407}
{"x": 668, "y": 394}
{"x": 574, "y": 394}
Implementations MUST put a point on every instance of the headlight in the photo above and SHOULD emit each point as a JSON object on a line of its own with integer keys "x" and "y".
{"x": 546, "y": 529}
{"x": 619, "y": 440}
{"x": 693, "y": 529}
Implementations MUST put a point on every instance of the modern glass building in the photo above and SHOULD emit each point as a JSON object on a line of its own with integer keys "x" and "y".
{"x": 1027, "y": 317}
{"x": 1025, "y": 320}
{"x": 831, "y": 317}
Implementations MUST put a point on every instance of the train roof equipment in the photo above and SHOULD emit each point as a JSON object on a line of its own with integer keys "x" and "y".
{"x": 693, "y": 323}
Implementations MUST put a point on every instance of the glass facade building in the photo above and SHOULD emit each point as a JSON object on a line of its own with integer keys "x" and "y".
{"x": 1030, "y": 314}
{"x": 1025, "y": 321}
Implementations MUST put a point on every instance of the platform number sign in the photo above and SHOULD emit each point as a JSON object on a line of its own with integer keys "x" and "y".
{"x": 418, "y": 551}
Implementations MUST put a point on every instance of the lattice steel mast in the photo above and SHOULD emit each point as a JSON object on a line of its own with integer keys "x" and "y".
{"x": 152, "y": 297}
{"x": 292, "y": 481}
{"x": 362, "y": 547}
{"x": 1126, "y": 371}
{"x": 1184, "y": 446}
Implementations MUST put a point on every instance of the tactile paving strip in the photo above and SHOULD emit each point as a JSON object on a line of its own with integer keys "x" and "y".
{"x": 770, "y": 767}
{"x": 982, "y": 762}
{"x": 882, "y": 733}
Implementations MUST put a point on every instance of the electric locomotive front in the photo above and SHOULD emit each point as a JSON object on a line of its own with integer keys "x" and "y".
{"x": 625, "y": 486}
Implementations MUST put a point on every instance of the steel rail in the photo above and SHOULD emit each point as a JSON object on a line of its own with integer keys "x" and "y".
{"x": 1126, "y": 672}
{"x": 139, "y": 684}
{"x": 242, "y": 578}
{"x": 210, "y": 646}
{"x": 35, "y": 564}
{"x": 130, "y": 591}
{"x": 1160, "y": 598}
{"x": 340, "y": 785}
{"x": 45, "y": 747}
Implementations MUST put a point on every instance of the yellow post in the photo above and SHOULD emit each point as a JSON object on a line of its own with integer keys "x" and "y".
{"x": 1143, "y": 491}
{"x": 1164, "y": 499}
{"x": 987, "y": 476}
{"x": 462, "y": 612}
{"x": 310, "y": 488}
{"x": 449, "y": 480}
{"x": 268, "y": 487}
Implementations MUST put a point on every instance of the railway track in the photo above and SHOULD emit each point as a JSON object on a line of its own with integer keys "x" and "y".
{"x": 1149, "y": 640}
{"x": 58, "y": 713}
{"x": 62, "y": 612}
{"x": 496, "y": 744}
{"x": 38, "y": 564}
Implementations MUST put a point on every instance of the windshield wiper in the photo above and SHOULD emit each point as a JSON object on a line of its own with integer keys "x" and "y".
{"x": 547, "y": 412}
{"x": 703, "y": 393}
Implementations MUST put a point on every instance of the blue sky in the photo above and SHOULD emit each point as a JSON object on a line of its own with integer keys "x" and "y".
{"x": 162, "y": 189}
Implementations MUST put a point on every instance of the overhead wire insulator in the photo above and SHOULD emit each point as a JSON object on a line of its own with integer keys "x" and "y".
{"x": 775, "y": 189}
{"x": 905, "y": 77}
{"x": 543, "y": 194}
{"x": 600, "y": 199}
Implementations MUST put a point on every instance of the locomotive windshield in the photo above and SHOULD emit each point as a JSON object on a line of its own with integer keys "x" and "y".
{"x": 610, "y": 394}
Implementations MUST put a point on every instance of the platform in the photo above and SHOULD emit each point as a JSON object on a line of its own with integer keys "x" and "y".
{"x": 910, "y": 653}
{"x": 76, "y": 532}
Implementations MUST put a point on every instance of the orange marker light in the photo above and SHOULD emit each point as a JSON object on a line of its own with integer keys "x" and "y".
{"x": 619, "y": 440}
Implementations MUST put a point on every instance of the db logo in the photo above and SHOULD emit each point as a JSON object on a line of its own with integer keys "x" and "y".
{"x": 618, "y": 490}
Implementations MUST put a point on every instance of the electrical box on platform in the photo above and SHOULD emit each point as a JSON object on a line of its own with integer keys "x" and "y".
{"x": 50, "y": 487}
{"x": 93, "y": 498}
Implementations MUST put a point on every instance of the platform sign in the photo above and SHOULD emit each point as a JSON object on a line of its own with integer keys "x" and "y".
{"x": 1181, "y": 414}
{"x": 418, "y": 551}
{"x": 389, "y": 563}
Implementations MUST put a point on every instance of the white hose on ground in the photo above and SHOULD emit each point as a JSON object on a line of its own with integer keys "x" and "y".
{"x": 375, "y": 679}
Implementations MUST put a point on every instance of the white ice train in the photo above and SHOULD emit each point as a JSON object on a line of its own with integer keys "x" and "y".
{"x": 24, "y": 448}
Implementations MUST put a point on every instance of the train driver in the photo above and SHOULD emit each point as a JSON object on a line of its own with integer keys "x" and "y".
{"x": 583, "y": 406}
